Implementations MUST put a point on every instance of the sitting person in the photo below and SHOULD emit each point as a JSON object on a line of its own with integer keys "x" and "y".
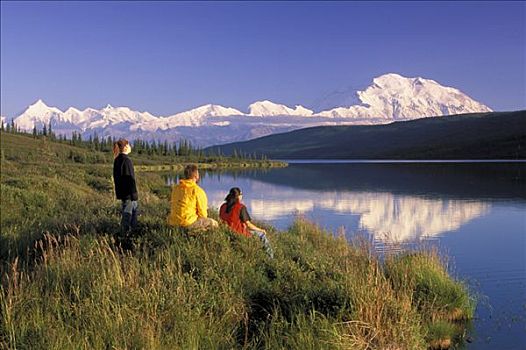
{"x": 189, "y": 203}
{"x": 235, "y": 215}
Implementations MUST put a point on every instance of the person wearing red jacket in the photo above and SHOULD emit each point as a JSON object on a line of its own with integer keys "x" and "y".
{"x": 234, "y": 213}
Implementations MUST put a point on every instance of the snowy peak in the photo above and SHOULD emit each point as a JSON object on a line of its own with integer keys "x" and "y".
{"x": 110, "y": 115}
{"x": 196, "y": 117}
{"x": 72, "y": 110}
{"x": 211, "y": 110}
{"x": 391, "y": 80}
{"x": 38, "y": 114}
{"x": 392, "y": 96}
{"x": 395, "y": 83}
{"x": 39, "y": 107}
{"x": 208, "y": 110}
{"x": 267, "y": 108}
{"x": 299, "y": 110}
{"x": 38, "y": 103}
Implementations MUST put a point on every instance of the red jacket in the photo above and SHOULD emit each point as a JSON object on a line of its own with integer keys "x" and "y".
{"x": 233, "y": 220}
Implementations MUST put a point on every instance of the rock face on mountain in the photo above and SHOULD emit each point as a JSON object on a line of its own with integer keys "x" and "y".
{"x": 390, "y": 97}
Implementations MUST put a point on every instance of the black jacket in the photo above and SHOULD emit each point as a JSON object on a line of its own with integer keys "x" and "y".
{"x": 124, "y": 177}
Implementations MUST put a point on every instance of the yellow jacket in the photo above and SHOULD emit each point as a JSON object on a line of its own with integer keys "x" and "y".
{"x": 188, "y": 202}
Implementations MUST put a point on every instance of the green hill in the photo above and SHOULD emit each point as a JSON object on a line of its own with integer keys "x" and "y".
{"x": 497, "y": 135}
{"x": 25, "y": 148}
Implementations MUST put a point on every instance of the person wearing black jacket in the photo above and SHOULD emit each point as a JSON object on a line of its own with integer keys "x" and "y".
{"x": 125, "y": 186}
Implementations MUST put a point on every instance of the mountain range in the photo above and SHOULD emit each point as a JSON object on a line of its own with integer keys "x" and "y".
{"x": 390, "y": 97}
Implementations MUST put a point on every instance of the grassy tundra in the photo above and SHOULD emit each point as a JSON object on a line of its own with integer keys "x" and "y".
{"x": 66, "y": 286}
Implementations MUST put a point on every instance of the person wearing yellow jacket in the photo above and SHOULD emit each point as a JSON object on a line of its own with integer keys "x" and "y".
{"x": 189, "y": 203}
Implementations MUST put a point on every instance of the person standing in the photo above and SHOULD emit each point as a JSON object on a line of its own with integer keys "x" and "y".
{"x": 125, "y": 186}
{"x": 189, "y": 204}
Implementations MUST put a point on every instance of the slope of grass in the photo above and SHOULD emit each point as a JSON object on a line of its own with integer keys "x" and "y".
{"x": 26, "y": 148}
{"x": 214, "y": 290}
{"x": 66, "y": 285}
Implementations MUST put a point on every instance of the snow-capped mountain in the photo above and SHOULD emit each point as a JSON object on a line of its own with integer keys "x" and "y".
{"x": 389, "y": 98}
{"x": 392, "y": 96}
{"x": 39, "y": 114}
{"x": 198, "y": 115}
{"x": 267, "y": 108}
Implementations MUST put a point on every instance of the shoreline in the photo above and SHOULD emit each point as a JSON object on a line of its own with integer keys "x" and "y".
{"x": 211, "y": 166}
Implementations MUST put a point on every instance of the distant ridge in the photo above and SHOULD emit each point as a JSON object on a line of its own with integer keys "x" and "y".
{"x": 496, "y": 135}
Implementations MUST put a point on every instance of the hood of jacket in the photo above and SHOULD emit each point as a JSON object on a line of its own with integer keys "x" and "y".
{"x": 187, "y": 183}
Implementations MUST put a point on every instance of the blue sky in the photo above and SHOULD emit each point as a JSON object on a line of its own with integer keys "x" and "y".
{"x": 165, "y": 57}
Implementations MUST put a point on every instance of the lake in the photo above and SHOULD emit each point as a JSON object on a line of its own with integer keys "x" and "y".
{"x": 474, "y": 212}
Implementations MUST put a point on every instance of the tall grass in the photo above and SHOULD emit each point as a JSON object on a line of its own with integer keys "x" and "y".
{"x": 213, "y": 290}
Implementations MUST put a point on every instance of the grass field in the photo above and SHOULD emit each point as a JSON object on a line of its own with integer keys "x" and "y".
{"x": 65, "y": 285}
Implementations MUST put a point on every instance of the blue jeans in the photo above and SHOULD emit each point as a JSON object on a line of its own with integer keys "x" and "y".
{"x": 263, "y": 238}
{"x": 129, "y": 215}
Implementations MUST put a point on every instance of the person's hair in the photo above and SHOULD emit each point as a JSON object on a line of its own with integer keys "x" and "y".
{"x": 232, "y": 198}
{"x": 118, "y": 147}
{"x": 189, "y": 171}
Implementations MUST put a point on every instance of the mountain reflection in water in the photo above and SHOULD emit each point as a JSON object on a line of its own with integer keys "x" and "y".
{"x": 390, "y": 218}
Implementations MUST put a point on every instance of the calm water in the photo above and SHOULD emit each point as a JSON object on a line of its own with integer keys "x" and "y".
{"x": 474, "y": 212}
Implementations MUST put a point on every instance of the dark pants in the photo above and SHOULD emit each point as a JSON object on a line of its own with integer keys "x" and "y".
{"x": 129, "y": 216}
